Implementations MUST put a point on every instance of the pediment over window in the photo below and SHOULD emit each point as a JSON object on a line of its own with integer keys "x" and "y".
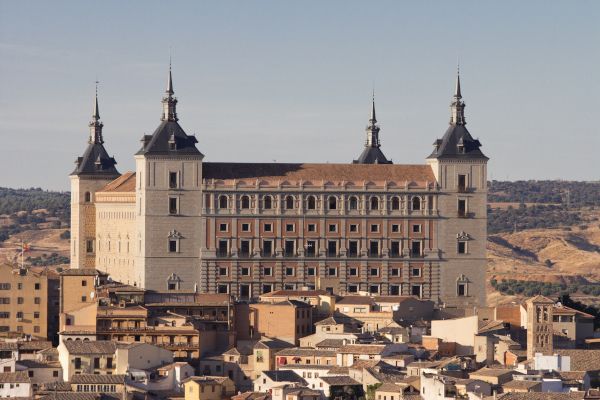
{"x": 462, "y": 236}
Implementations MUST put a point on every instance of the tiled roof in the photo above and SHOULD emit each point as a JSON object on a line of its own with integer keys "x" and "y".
{"x": 42, "y": 345}
{"x": 361, "y": 349}
{"x": 341, "y": 380}
{"x": 120, "y": 287}
{"x": 571, "y": 375}
{"x": 60, "y": 386}
{"x": 358, "y": 299}
{"x": 304, "y": 393}
{"x": 272, "y": 344}
{"x": 305, "y": 366}
{"x": 97, "y": 347}
{"x": 385, "y": 375}
{"x": 68, "y": 333}
{"x": 91, "y": 378}
{"x": 283, "y": 376}
{"x": 73, "y": 396}
{"x": 521, "y": 384}
{"x": 542, "y": 396}
{"x": 490, "y": 372}
{"x": 252, "y": 396}
{"x": 331, "y": 343}
{"x": 250, "y": 172}
{"x": 239, "y": 351}
{"x": 124, "y": 183}
{"x": 81, "y": 272}
{"x": 306, "y": 353}
{"x": 15, "y": 377}
{"x": 37, "y": 364}
{"x": 171, "y": 366}
{"x": 518, "y": 353}
{"x": 400, "y": 356}
{"x": 337, "y": 370}
{"x": 539, "y": 299}
{"x": 206, "y": 380}
{"x": 8, "y": 346}
{"x": 360, "y": 364}
{"x": 391, "y": 387}
{"x": 330, "y": 321}
{"x": 487, "y": 326}
{"x": 582, "y": 360}
{"x": 295, "y": 293}
{"x": 294, "y": 303}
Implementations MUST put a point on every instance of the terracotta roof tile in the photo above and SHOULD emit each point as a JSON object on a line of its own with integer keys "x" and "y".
{"x": 81, "y": 272}
{"x": 361, "y": 349}
{"x": 97, "y": 347}
{"x": 295, "y": 293}
{"x": 91, "y": 378}
{"x": 124, "y": 183}
{"x": 306, "y": 353}
{"x": 42, "y": 345}
{"x": 340, "y": 380}
{"x": 541, "y": 396}
{"x": 15, "y": 377}
{"x": 391, "y": 387}
{"x": 582, "y": 360}
{"x": 521, "y": 384}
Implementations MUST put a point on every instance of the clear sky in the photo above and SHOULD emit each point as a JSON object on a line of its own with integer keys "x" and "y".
{"x": 259, "y": 81}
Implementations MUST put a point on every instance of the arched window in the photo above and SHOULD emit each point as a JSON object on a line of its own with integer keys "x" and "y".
{"x": 312, "y": 203}
{"x": 69, "y": 339}
{"x": 268, "y": 202}
{"x": 77, "y": 339}
{"x": 332, "y": 203}
{"x": 374, "y": 203}
{"x": 86, "y": 339}
{"x": 88, "y": 197}
{"x": 395, "y": 203}
{"x": 223, "y": 202}
{"x": 416, "y": 203}
{"x": 245, "y": 202}
{"x": 353, "y": 203}
{"x": 289, "y": 203}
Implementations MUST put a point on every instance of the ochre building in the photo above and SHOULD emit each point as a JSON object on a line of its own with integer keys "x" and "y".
{"x": 178, "y": 223}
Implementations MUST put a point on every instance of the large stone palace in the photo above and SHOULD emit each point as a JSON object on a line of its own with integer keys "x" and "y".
{"x": 178, "y": 223}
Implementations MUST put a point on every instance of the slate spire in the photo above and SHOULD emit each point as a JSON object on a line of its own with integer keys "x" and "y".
{"x": 95, "y": 125}
{"x": 457, "y": 106}
{"x": 372, "y": 154}
{"x": 169, "y": 102}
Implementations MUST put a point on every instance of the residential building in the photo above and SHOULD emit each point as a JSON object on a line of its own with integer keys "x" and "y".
{"x": 349, "y": 354}
{"x": 40, "y": 372}
{"x": 309, "y": 372}
{"x": 28, "y": 302}
{"x": 15, "y": 384}
{"x": 322, "y": 300}
{"x": 264, "y": 355}
{"x": 208, "y": 388}
{"x": 393, "y": 391}
{"x": 305, "y": 357}
{"x": 438, "y": 387}
{"x": 162, "y": 377}
{"x": 494, "y": 376}
{"x": 95, "y": 383}
{"x": 257, "y": 320}
{"x": 334, "y": 386}
{"x": 251, "y": 229}
{"x": 238, "y": 366}
{"x": 80, "y": 357}
{"x": 522, "y": 386}
{"x": 267, "y": 380}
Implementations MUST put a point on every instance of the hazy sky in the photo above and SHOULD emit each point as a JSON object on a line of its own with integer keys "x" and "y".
{"x": 259, "y": 81}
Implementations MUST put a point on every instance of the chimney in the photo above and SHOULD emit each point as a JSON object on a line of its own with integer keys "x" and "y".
{"x": 495, "y": 395}
{"x": 344, "y": 342}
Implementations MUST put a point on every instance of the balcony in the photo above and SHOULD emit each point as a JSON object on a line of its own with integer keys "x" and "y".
{"x": 173, "y": 211}
{"x": 260, "y": 359}
{"x": 331, "y": 254}
{"x": 178, "y": 345}
{"x": 374, "y": 255}
{"x": 173, "y": 185}
{"x": 353, "y": 254}
{"x": 310, "y": 253}
{"x": 462, "y": 214}
{"x": 414, "y": 254}
{"x": 463, "y": 188}
{"x": 289, "y": 254}
{"x": 395, "y": 254}
{"x": 267, "y": 254}
{"x": 222, "y": 254}
{"x": 244, "y": 254}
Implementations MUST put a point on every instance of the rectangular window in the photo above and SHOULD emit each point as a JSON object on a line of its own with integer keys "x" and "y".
{"x": 360, "y": 310}
{"x": 353, "y": 271}
{"x": 374, "y": 271}
{"x": 289, "y": 271}
{"x": 462, "y": 247}
{"x": 395, "y": 228}
{"x": 20, "y": 300}
{"x": 37, "y": 286}
{"x": 267, "y": 288}
{"x": 268, "y": 271}
{"x": 245, "y": 271}
{"x": 310, "y": 271}
{"x": 172, "y": 246}
{"x": 374, "y": 228}
{"x": 268, "y": 227}
{"x": 36, "y": 314}
{"x": 395, "y": 271}
{"x": 395, "y": 250}
{"x": 223, "y": 248}
{"x": 332, "y": 271}
{"x": 223, "y": 227}
{"x": 462, "y": 289}
{"x": 223, "y": 289}
{"x": 36, "y": 329}
{"x": 374, "y": 249}
{"x": 267, "y": 248}
{"x": 416, "y": 228}
{"x": 352, "y": 288}
{"x": 331, "y": 248}
{"x": 353, "y": 228}
{"x": 245, "y": 248}
{"x": 173, "y": 205}
{"x": 222, "y": 271}
{"x": 245, "y": 227}
{"x": 311, "y": 248}
{"x": 395, "y": 290}
{"x": 416, "y": 272}
{"x": 311, "y": 227}
{"x": 89, "y": 248}
{"x": 289, "y": 227}
{"x": 172, "y": 286}
{"x": 20, "y": 286}
{"x": 289, "y": 248}
{"x": 37, "y": 300}
{"x": 333, "y": 228}
{"x": 173, "y": 181}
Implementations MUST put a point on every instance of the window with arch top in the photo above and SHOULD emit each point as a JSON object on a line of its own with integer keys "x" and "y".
{"x": 395, "y": 203}
{"x": 289, "y": 203}
{"x": 268, "y": 202}
{"x": 332, "y": 203}
{"x": 353, "y": 203}
{"x": 312, "y": 203}
{"x": 88, "y": 197}
{"x": 374, "y": 203}
{"x": 416, "y": 203}
{"x": 245, "y": 202}
{"x": 223, "y": 202}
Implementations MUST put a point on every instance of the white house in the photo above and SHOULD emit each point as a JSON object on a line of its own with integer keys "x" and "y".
{"x": 15, "y": 384}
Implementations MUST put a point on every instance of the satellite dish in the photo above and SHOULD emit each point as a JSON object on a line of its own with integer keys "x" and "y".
{"x": 92, "y": 295}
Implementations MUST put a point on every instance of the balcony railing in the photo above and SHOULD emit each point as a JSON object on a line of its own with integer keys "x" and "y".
{"x": 173, "y": 211}
{"x": 289, "y": 254}
{"x": 395, "y": 254}
{"x": 173, "y": 185}
{"x": 462, "y": 214}
{"x": 463, "y": 188}
{"x": 373, "y": 255}
{"x": 331, "y": 254}
{"x": 178, "y": 345}
{"x": 310, "y": 253}
{"x": 244, "y": 254}
{"x": 414, "y": 254}
{"x": 222, "y": 254}
{"x": 267, "y": 254}
{"x": 353, "y": 254}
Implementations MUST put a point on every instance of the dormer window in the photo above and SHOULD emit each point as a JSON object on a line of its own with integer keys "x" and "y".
{"x": 172, "y": 143}
{"x": 98, "y": 167}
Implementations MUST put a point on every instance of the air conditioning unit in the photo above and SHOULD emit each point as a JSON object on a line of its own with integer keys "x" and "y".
{"x": 19, "y": 319}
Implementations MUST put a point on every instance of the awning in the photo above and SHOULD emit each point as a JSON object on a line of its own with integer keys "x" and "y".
{"x": 138, "y": 374}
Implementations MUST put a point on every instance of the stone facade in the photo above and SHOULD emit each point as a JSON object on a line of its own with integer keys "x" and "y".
{"x": 249, "y": 229}
{"x": 540, "y": 330}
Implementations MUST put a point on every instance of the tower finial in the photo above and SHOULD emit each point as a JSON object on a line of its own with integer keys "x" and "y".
{"x": 96, "y": 115}
{"x": 373, "y": 119}
{"x": 457, "y": 94}
{"x": 170, "y": 91}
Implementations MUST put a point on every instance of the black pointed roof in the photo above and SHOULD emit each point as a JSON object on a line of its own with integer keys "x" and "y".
{"x": 372, "y": 155}
{"x": 95, "y": 155}
{"x": 448, "y": 146}
{"x": 159, "y": 142}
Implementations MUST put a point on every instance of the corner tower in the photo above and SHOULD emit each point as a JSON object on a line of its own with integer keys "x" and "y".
{"x": 372, "y": 153}
{"x": 460, "y": 169}
{"x": 168, "y": 204}
{"x": 94, "y": 170}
